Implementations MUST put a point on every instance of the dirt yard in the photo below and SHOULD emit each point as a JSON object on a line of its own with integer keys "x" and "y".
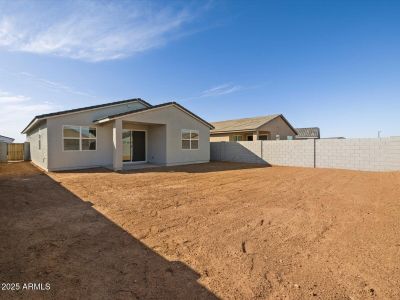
{"x": 218, "y": 230}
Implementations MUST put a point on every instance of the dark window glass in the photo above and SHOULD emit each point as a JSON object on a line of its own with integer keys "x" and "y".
{"x": 71, "y": 144}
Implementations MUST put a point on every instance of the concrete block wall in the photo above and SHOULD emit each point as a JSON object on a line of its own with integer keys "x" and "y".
{"x": 297, "y": 153}
{"x": 247, "y": 152}
{"x": 359, "y": 154}
{"x": 353, "y": 154}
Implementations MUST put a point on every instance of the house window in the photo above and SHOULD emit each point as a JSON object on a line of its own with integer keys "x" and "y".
{"x": 79, "y": 138}
{"x": 263, "y": 137}
{"x": 289, "y": 137}
{"x": 237, "y": 138}
{"x": 249, "y": 137}
{"x": 190, "y": 139}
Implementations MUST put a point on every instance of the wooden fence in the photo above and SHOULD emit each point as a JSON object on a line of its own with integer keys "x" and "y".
{"x": 15, "y": 151}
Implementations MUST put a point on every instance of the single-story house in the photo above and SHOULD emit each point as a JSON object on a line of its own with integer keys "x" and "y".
{"x": 118, "y": 134}
{"x": 308, "y": 133}
{"x": 271, "y": 127}
{"x": 6, "y": 139}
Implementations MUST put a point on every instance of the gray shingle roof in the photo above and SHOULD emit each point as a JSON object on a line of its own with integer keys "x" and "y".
{"x": 311, "y": 132}
{"x": 6, "y": 139}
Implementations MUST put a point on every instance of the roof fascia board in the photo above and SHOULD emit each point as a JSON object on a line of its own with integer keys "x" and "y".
{"x": 238, "y": 130}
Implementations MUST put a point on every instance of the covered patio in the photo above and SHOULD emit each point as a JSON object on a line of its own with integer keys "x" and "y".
{"x": 138, "y": 144}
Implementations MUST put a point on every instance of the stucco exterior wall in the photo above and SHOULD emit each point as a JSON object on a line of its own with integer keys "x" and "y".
{"x": 157, "y": 150}
{"x": 175, "y": 120}
{"x": 230, "y": 137}
{"x": 39, "y": 156}
{"x": 102, "y": 156}
{"x": 278, "y": 126}
{"x": 219, "y": 138}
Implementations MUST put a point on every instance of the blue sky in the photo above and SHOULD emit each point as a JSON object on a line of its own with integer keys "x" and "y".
{"x": 331, "y": 64}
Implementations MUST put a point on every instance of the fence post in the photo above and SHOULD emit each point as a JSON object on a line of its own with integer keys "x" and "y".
{"x": 27, "y": 152}
{"x": 315, "y": 153}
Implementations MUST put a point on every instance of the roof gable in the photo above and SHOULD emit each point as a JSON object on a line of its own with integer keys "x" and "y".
{"x": 175, "y": 104}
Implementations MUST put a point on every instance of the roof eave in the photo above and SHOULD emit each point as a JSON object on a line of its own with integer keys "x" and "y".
{"x": 236, "y": 130}
{"x": 30, "y": 125}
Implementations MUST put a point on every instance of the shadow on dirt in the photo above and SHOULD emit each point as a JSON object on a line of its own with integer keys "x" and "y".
{"x": 49, "y": 235}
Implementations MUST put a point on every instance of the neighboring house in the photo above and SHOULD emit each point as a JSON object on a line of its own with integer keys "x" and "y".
{"x": 308, "y": 133}
{"x": 272, "y": 127}
{"x": 116, "y": 134}
{"x": 6, "y": 139}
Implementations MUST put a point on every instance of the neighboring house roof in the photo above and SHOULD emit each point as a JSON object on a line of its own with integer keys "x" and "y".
{"x": 177, "y": 105}
{"x": 246, "y": 124}
{"x": 6, "y": 139}
{"x": 311, "y": 132}
{"x": 44, "y": 116}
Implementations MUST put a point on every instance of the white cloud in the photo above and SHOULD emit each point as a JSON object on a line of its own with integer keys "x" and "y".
{"x": 17, "y": 111}
{"x": 54, "y": 85}
{"x": 7, "y": 98}
{"x": 222, "y": 89}
{"x": 90, "y": 31}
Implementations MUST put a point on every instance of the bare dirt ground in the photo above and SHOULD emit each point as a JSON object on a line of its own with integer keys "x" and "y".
{"x": 218, "y": 230}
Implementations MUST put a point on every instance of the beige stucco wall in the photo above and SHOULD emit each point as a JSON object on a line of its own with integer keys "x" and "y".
{"x": 39, "y": 156}
{"x": 219, "y": 138}
{"x": 224, "y": 137}
{"x": 278, "y": 126}
{"x": 157, "y": 144}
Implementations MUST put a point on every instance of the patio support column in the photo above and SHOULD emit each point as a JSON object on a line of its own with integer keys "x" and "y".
{"x": 255, "y": 135}
{"x": 117, "y": 145}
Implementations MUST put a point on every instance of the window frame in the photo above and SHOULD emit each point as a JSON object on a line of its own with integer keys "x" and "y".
{"x": 190, "y": 139}
{"x": 80, "y": 138}
{"x": 237, "y": 136}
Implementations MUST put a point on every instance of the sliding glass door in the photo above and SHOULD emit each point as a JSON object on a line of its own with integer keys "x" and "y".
{"x": 134, "y": 146}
